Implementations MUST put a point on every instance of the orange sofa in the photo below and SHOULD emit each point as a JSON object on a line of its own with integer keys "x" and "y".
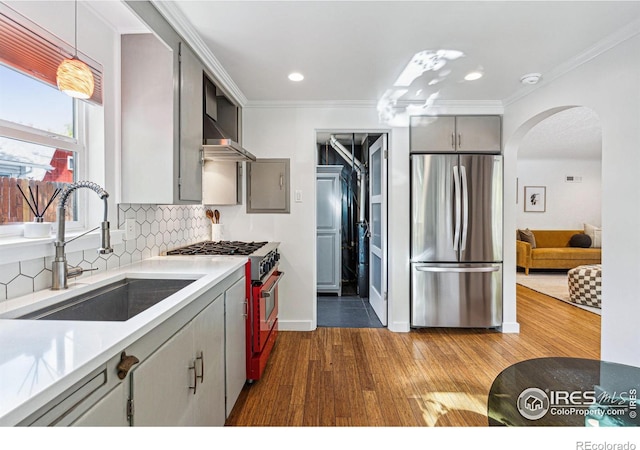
{"x": 552, "y": 251}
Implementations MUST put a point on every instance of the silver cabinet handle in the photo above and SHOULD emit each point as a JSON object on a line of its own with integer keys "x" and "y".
{"x": 201, "y": 358}
{"x": 269, "y": 293}
{"x": 453, "y": 141}
{"x": 246, "y": 309}
{"x": 459, "y": 140}
{"x": 281, "y": 181}
{"x": 195, "y": 378}
{"x": 457, "y": 269}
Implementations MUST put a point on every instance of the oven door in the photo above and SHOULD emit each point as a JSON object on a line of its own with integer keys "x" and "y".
{"x": 265, "y": 309}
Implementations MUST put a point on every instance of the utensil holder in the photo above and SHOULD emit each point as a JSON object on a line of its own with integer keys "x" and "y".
{"x": 217, "y": 232}
{"x": 36, "y": 230}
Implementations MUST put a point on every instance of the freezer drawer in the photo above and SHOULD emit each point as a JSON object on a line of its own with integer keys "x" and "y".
{"x": 456, "y": 295}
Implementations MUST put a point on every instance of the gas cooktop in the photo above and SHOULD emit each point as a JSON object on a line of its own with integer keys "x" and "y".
{"x": 218, "y": 248}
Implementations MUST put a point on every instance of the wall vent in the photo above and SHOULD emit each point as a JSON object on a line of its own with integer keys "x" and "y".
{"x": 572, "y": 179}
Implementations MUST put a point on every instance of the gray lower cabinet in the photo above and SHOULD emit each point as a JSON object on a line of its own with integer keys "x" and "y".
{"x": 188, "y": 371}
{"x": 235, "y": 300}
{"x": 482, "y": 133}
{"x": 109, "y": 411}
{"x": 328, "y": 229}
{"x": 182, "y": 383}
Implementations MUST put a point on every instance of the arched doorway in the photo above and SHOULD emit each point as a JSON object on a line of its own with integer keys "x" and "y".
{"x": 558, "y": 156}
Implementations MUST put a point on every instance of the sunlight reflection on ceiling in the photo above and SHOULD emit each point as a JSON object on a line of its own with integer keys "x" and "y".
{"x": 435, "y": 61}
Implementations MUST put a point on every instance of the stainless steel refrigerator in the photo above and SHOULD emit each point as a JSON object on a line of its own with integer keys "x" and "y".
{"x": 456, "y": 240}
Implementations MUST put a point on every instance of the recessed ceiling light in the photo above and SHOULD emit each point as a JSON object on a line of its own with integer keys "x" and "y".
{"x": 296, "y": 76}
{"x": 471, "y": 76}
{"x": 530, "y": 78}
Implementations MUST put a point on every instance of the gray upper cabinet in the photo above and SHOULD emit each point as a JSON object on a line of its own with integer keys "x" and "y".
{"x": 147, "y": 121}
{"x": 268, "y": 186}
{"x": 162, "y": 107}
{"x": 456, "y": 134}
{"x": 191, "y": 107}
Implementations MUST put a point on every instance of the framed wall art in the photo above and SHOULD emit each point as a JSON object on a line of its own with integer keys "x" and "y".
{"x": 535, "y": 198}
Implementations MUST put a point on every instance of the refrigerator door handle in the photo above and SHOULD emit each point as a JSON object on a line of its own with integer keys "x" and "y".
{"x": 465, "y": 207}
{"x": 457, "y": 269}
{"x": 456, "y": 183}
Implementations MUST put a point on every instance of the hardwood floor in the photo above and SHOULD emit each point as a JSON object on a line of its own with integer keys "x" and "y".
{"x": 428, "y": 377}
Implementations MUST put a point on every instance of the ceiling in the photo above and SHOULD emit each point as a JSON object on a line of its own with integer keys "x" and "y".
{"x": 353, "y": 52}
{"x": 574, "y": 133}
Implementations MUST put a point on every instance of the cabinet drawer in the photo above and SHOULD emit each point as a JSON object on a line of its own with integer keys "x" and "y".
{"x": 76, "y": 399}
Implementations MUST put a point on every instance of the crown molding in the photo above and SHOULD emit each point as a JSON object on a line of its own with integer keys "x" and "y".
{"x": 442, "y": 106}
{"x": 623, "y": 34}
{"x": 311, "y": 104}
{"x": 183, "y": 27}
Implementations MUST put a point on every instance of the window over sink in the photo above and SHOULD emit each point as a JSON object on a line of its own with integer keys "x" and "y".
{"x": 40, "y": 149}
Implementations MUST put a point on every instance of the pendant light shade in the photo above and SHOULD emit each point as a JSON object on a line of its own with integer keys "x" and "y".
{"x": 75, "y": 79}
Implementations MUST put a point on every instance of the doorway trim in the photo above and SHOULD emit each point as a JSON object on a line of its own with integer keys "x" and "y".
{"x": 381, "y": 131}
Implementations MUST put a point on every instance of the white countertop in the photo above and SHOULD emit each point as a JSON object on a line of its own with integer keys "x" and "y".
{"x": 39, "y": 359}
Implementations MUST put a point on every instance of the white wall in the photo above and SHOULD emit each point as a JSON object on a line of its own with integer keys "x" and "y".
{"x": 608, "y": 84}
{"x": 290, "y": 132}
{"x": 569, "y": 205}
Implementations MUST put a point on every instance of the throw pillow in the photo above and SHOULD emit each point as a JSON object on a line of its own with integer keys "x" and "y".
{"x": 595, "y": 233}
{"x": 580, "y": 240}
{"x": 527, "y": 236}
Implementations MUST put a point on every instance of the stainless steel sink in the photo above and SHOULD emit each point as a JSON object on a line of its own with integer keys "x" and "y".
{"x": 115, "y": 302}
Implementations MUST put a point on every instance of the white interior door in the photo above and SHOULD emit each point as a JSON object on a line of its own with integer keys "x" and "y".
{"x": 378, "y": 228}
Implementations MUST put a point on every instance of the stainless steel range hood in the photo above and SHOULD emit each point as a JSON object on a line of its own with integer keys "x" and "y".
{"x": 225, "y": 150}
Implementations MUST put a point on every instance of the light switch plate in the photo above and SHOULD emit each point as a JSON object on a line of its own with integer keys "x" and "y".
{"x": 129, "y": 229}
{"x": 298, "y": 196}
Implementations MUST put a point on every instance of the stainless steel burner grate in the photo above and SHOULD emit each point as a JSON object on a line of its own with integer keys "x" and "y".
{"x": 218, "y": 248}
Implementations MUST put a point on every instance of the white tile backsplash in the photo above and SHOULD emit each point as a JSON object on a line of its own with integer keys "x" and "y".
{"x": 8, "y": 272}
{"x": 159, "y": 228}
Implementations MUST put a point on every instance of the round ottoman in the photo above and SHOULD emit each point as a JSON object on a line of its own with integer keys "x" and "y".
{"x": 585, "y": 285}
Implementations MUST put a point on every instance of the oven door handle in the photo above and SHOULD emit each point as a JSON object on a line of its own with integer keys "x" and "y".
{"x": 269, "y": 293}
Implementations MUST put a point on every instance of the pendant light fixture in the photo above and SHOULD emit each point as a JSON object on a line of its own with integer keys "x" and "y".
{"x": 74, "y": 77}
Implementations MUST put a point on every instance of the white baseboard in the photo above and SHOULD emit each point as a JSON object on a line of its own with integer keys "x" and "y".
{"x": 295, "y": 325}
{"x": 510, "y": 327}
{"x": 399, "y": 327}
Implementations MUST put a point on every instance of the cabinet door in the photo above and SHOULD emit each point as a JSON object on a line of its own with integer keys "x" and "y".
{"x": 208, "y": 328}
{"x": 432, "y": 134}
{"x": 268, "y": 186}
{"x": 147, "y": 77}
{"x": 478, "y": 133}
{"x": 109, "y": 411}
{"x": 191, "y": 108}
{"x": 235, "y": 335}
{"x": 328, "y": 226}
{"x": 160, "y": 385}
